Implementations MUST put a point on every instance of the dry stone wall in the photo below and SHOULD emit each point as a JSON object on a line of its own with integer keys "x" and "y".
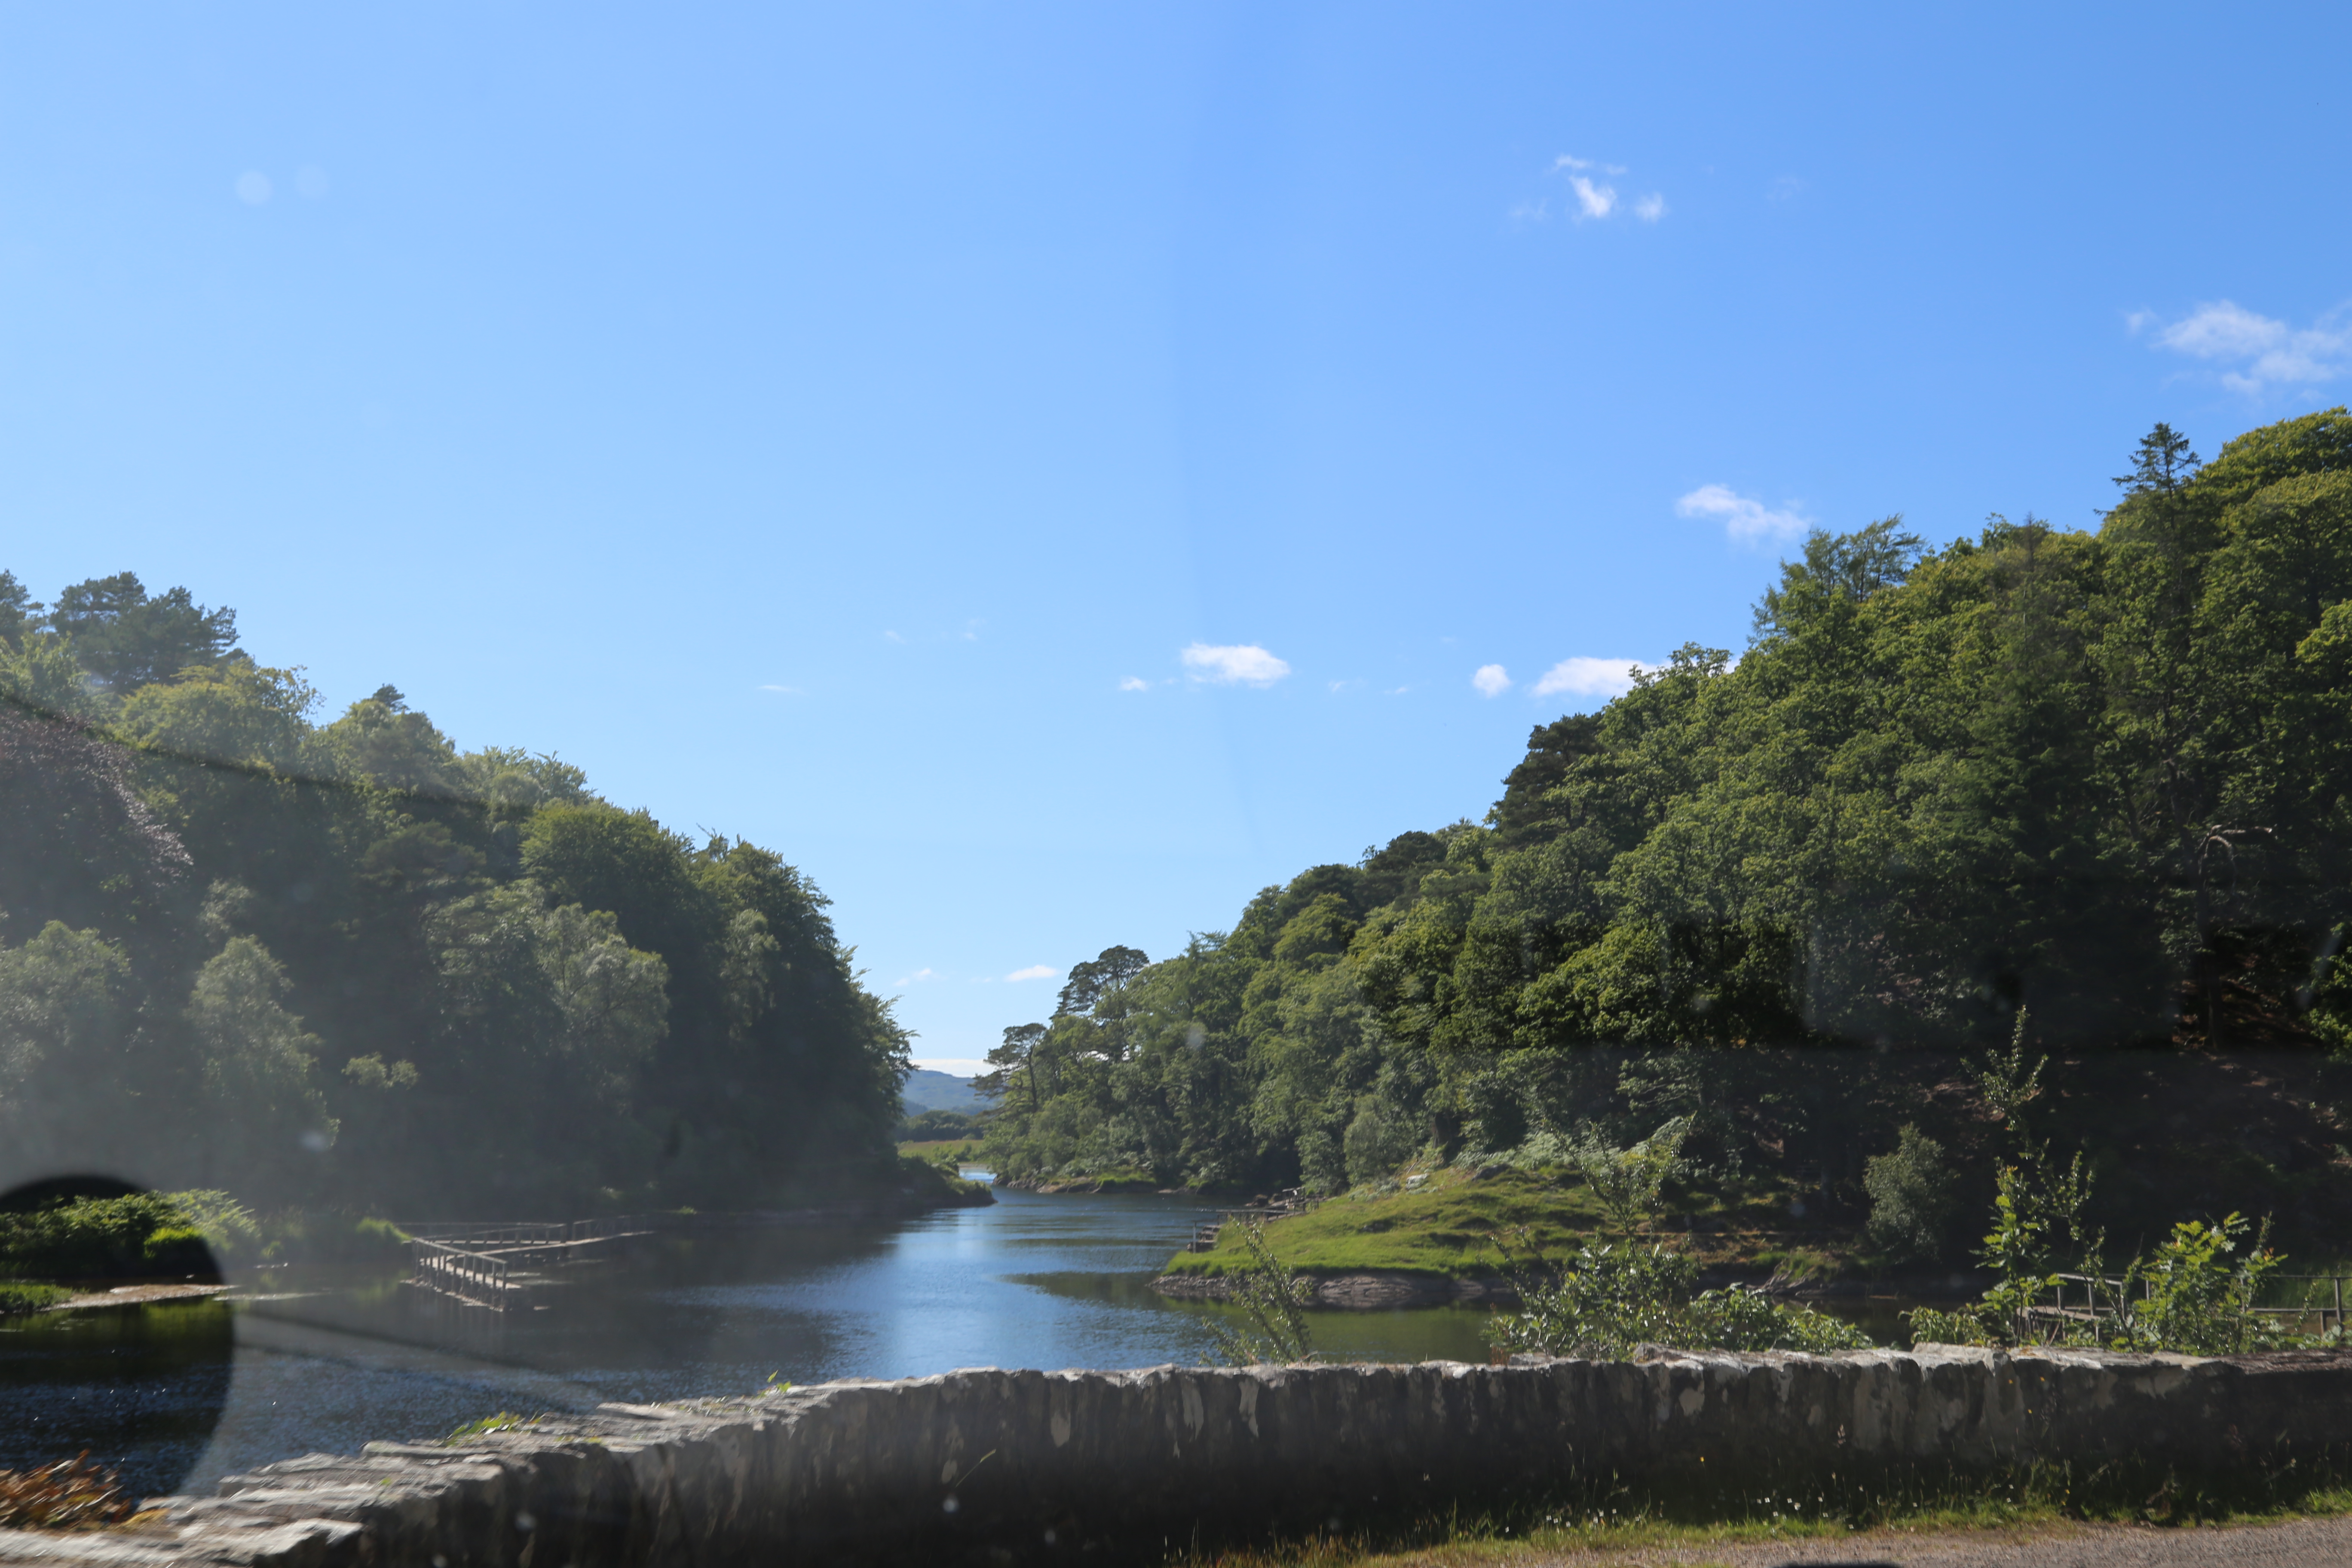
{"x": 996, "y": 1467}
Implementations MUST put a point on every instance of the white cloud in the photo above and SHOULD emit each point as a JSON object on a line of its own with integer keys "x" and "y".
{"x": 1245, "y": 663}
{"x": 1491, "y": 680}
{"x": 1786, "y": 186}
{"x": 915, "y": 979}
{"x": 1135, "y": 683}
{"x": 894, "y": 637}
{"x": 787, "y": 690}
{"x": 1035, "y": 971}
{"x": 1592, "y": 201}
{"x": 1594, "y": 197}
{"x": 2268, "y": 351}
{"x": 1746, "y": 521}
{"x": 1584, "y": 677}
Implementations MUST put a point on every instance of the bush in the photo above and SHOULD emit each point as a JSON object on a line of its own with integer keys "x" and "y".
{"x": 177, "y": 1249}
{"x": 16, "y": 1298}
{"x": 1607, "y": 1300}
{"x": 82, "y": 1239}
{"x": 1911, "y": 1199}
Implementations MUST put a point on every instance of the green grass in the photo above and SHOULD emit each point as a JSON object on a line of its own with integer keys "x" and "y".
{"x": 1625, "y": 1524}
{"x": 16, "y": 1297}
{"x": 964, "y": 1150}
{"x": 1443, "y": 1228}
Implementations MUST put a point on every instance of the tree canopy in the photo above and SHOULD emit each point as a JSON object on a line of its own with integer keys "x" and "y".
{"x": 2105, "y": 775}
{"x": 348, "y": 962}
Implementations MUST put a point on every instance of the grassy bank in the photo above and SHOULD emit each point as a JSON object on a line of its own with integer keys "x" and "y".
{"x": 19, "y": 1298}
{"x": 962, "y": 1151}
{"x": 2048, "y": 1501}
{"x": 1444, "y": 1227}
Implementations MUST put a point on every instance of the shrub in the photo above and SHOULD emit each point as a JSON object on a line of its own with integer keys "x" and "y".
{"x": 89, "y": 1238}
{"x": 1911, "y": 1199}
{"x": 15, "y": 1298}
{"x": 177, "y": 1249}
{"x": 1607, "y": 1300}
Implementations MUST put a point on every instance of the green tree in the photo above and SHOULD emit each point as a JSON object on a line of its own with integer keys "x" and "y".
{"x": 127, "y": 639}
{"x": 264, "y": 1112}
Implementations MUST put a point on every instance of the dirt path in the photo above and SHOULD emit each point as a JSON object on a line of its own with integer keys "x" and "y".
{"x": 132, "y": 1294}
{"x": 2298, "y": 1544}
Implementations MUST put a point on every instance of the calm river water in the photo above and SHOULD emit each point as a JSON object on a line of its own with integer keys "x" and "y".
{"x": 319, "y": 1363}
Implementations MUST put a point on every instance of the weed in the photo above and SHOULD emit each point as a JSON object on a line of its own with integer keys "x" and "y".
{"x": 1270, "y": 1296}
{"x": 504, "y": 1421}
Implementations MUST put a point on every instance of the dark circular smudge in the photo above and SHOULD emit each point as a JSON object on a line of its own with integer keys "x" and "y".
{"x": 140, "y": 1386}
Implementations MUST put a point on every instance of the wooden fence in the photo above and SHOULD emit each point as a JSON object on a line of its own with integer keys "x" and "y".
{"x": 2323, "y": 1300}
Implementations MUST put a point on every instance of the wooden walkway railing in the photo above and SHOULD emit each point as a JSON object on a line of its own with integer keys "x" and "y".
{"x": 2329, "y": 1309}
{"x": 475, "y": 1260}
{"x": 475, "y": 1276}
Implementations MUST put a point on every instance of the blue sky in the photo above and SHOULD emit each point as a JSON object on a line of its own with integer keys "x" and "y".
{"x": 1051, "y": 471}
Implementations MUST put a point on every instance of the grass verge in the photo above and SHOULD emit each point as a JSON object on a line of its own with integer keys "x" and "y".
{"x": 1623, "y": 1521}
{"x": 1442, "y": 1226}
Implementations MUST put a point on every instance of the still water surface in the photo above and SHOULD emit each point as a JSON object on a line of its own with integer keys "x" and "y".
{"x": 322, "y": 1363}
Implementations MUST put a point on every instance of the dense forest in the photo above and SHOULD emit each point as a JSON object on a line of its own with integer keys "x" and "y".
{"x": 346, "y": 964}
{"x": 2101, "y": 776}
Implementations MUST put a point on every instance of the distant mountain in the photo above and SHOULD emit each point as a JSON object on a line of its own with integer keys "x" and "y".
{"x": 929, "y": 1090}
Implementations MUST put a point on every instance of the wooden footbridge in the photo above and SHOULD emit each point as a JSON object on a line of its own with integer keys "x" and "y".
{"x": 503, "y": 1264}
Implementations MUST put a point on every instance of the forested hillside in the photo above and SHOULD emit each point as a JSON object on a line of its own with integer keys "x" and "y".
{"x": 2099, "y": 774}
{"x": 346, "y": 963}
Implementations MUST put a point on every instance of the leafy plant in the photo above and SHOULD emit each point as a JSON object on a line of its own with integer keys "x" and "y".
{"x": 1628, "y": 1183}
{"x": 1270, "y": 1297}
{"x": 1606, "y": 1301}
{"x": 2196, "y": 1292}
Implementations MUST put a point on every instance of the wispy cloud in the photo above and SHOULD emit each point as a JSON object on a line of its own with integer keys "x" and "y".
{"x": 894, "y": 637}
{"x": 1582, "y": 677}
{"x": 1241, "y": 664}
{"x": 1784, "y": 188}
{"x": 1592, "y": 196}
{"x": 787, "y": 690}
{"x": 1491, "y": 680}
{"x": 1746, "y": 521}
{"x": 2266, "y": 353}
{"x": 1135, "y": 683}
{"x": 1035, "y": 971}
{"x": 915, "y": 979}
